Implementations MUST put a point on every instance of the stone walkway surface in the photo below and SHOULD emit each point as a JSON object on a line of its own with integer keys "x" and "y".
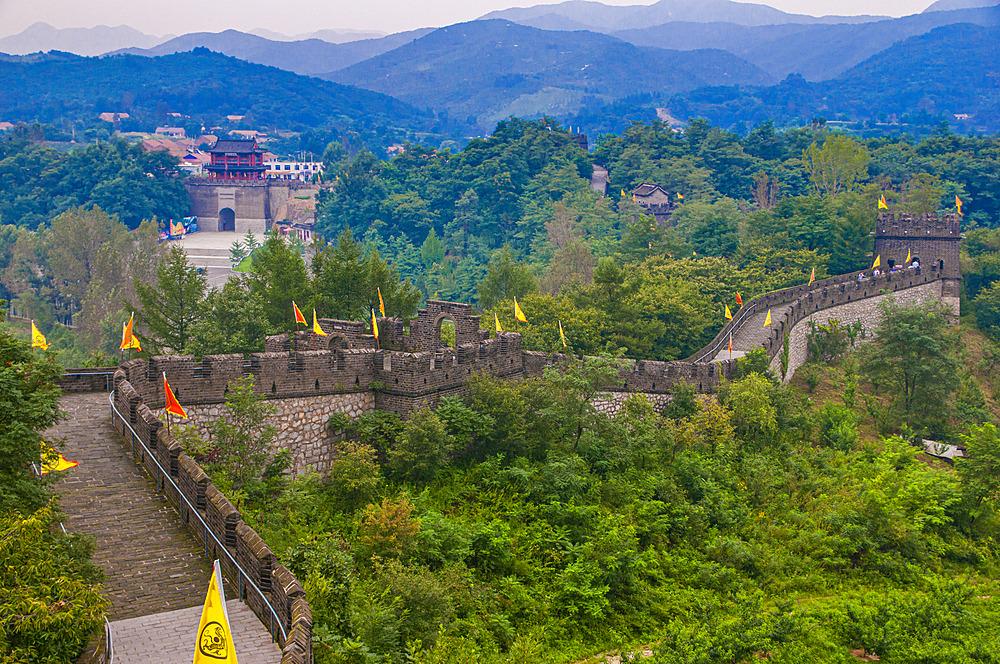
{"x": 150, "y": 561}
{"x": 156, "y": 573}
{"x": 168, "y": 638}
{"x": 752, "y": 334}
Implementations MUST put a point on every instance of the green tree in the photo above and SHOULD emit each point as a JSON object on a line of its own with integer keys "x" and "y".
{"x": 169, "y": 309}
{"x": 914, "y": 357}
{"x": 49, "y": 592}
{"x": 980, "y": 471}
{"x": 278, "y": 278}
{"x": 422, "y": 447}
{"x": 573, "y": 385}
{"x": 231, "y": 320}
{"x": 835, "y": 167}
{"x": 29, "y": 404}
{"x": 242, "y": 435}
{"x": 505, "y": 279}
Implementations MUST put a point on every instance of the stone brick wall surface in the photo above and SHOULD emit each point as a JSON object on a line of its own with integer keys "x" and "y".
{"x": 301, "y": 424}
{"x": 865, "y": 311}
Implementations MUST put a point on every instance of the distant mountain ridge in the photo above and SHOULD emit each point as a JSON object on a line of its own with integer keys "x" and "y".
{"x": 490, "y": 69}
{"x": 309, "y": 57}
{"x": 599, "y": 17}
{"x": 81, "y": 41}
{"x": 947, "y": 72}
{"x": 817, "y": 52}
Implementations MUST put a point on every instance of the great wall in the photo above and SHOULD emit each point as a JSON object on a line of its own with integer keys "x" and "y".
{"x": 351, "y": 373}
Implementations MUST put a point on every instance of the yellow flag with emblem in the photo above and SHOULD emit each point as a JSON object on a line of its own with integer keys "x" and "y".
{"x": 37, "y": 338}
{"x": 497, "y": 320}
{"x": 518, "y": 314}
{"x": 729, "y": 314}
{"x": 878, "y": 261}
{"x": 767, "y": 321}
{"x": 215, "y": 638}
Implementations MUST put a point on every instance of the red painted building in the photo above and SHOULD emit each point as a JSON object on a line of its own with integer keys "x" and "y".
{"x": 236, "y": 160}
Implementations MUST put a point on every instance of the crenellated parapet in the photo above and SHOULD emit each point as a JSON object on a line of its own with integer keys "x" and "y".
{"x": 929, "y": 239}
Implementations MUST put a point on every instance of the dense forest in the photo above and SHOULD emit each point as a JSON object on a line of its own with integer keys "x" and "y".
{"x": 70, "y": 92}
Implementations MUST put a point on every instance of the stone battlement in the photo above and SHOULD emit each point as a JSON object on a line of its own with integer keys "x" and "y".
{"x": 891, "y": 224}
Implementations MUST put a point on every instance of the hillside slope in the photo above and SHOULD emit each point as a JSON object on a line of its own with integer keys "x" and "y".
{"x": 492, "y": 69}
{"x": 950, "y": 70}
{"x": 201, "y": 84}
{"x": 817, "y": 52}
{"x": 307, "y": 57}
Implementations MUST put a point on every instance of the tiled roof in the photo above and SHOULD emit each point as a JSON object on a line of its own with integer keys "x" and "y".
{"x": 647, "y": 189}
{"x": 240, "y": 147}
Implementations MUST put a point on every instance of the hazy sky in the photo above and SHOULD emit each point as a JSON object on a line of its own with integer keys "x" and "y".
{"x": 298, "y": 16}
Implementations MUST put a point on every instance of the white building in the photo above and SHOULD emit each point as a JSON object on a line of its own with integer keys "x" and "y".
{"x": 292, "y": 170}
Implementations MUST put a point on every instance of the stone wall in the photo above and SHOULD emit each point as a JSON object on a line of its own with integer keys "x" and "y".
{"x": 301, "y": 423}
{"x": 865, "y": 311}
{"x": 610, "y": 403}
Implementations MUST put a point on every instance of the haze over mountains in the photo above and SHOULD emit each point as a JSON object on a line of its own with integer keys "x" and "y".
{"x": 561, "y": 59}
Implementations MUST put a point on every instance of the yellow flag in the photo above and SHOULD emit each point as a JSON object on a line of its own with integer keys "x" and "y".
{"x": 812, "y": 275}
{"x": 59, "y": 464}
{"x": 680, "y": 196}
{"x": 129, "y": 340}
{"x": 381, "y": 304}
{"x": 729, "y": 314}
{"x": 767, "y": 321}
{"x": 562, "y": 335}
{"x": 127, "y": 333}
{"x": 908, "y": 256}
{"x": 316, "y": 328}
{"x": 882, "y": 205}
{"x": 215, "y": 638}
{"x": 518, "y": 314}
{"x": 623, "y": 193}
{"x": 374, "y": 325}
{"x": 37, "y": 338}
{"x": 497, "y": 321}
{"x": 958, "y": 204}
{"x": 878, "y": 261}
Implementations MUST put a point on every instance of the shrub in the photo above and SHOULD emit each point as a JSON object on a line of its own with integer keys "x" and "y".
{"x": 838, "y": 427}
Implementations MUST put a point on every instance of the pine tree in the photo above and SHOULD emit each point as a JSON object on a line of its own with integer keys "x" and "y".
{"x": 169, "y": 308}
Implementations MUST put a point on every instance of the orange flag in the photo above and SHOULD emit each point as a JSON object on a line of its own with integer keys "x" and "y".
{"x": 173, "y": 405}
{"x": 882, "y": 205}
{"x": 381, "y": 304}
{"x": 958, "y": 204}
{"x": 739, "y": 300}
{"x": 374, "y": 325}
{"x": 299, "y": 318}
{"x": 812, "y": 276}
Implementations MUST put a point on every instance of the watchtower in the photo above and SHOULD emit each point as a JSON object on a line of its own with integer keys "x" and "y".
{"x": 929, "y": 239}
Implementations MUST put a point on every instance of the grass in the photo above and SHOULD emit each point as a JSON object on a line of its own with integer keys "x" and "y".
{"x": 244, "y": 265}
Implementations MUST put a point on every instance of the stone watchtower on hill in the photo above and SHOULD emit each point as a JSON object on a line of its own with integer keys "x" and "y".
{"x": 930, "y": 239}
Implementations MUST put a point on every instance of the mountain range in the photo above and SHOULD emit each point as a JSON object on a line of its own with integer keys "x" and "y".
{"x": 308, "y": 57}
{"x": 715, "y": 58}
{"x": 489, "y": 69}
{"x": 598, "y": 17}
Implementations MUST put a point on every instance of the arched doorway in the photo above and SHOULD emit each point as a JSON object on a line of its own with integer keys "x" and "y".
{"x": 227, "y": 219}
{"x": 446, "y": 331}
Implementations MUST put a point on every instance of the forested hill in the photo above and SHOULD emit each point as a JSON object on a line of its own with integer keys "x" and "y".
{"x": 942, "y": 73}
{"x": 202, "y": 84}
{"x": 494, "y": 69}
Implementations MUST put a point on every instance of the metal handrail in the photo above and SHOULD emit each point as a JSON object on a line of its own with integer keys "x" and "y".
{"x": 275, "y": 619}
{"x": 737, "y": 326}
{"x": 109, "y": 644}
